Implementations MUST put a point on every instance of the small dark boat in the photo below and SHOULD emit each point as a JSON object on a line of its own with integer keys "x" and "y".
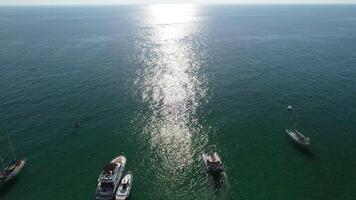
{"x": 212, "y": 162}
{"x": 298, "y": 137}
{"x": 76, "y": 124}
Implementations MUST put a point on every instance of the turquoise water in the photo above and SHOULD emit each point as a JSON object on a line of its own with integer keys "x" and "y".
{"x": 161, "y": 83}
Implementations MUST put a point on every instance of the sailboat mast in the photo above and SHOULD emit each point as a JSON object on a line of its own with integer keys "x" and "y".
{"x": 2, "y": 162}
{"x": 11, "y": 147}
{"x": 295, "y": 121}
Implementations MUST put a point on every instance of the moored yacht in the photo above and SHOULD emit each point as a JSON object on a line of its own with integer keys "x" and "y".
{"x": 109, "y": 178}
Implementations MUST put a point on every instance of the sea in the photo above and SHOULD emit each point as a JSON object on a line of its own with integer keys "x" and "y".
{"x": 163, "y": 83}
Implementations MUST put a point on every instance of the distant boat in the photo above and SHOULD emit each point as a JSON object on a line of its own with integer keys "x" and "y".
{"x": 289, "y": 107}
{"x": 298, "y": 137}
{"x": 212, "y": 162}
{"x": 123, "y": 192}
{"x": 12, "y": 170}
{"x": 76, "y": 125}
{"x": 109, "y": 178}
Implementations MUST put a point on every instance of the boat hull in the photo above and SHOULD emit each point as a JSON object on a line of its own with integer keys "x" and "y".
{"x": 12, "y": 170}
{"x": 296, "y": 137}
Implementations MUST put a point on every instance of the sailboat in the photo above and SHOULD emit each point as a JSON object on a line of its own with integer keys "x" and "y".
{"x": 297, "y": 136}
{"x": 14, "y": 168}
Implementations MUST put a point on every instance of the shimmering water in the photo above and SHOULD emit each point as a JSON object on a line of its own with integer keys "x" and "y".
{"x": 162, "y": 83}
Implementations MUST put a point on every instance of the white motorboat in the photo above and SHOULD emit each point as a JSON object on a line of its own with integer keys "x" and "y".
{"x": 212, "y": 162}
{"x": 123, "y": 192}
{"x": 298, "y": 137}
{"x": 109, "y": 178}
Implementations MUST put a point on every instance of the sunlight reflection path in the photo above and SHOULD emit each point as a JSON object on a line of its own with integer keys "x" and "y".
{"x": 170, "y": 84}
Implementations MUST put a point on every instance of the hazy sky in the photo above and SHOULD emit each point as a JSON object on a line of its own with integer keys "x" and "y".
{"x": 56, "y": 2}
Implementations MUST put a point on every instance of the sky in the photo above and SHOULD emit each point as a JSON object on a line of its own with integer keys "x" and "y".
{"x": 85, "y": 2}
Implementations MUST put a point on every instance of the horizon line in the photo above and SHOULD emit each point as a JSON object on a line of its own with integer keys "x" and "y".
{"x": 118, "y": 4}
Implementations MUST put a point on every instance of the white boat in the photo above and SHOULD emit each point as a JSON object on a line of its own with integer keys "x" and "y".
{"x": 298, "y": 137}
{"x": 14, "y": 168}
{"x": 109, "y": 178}
{"x": 212, "y": 162}
{"x": 123, "y": 192}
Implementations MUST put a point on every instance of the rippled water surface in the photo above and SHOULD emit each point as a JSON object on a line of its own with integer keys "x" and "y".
{"x": 162, "y": 83}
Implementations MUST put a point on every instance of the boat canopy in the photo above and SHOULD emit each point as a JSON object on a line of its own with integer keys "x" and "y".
{"x": 109, "y": 172}
{"x": 110, "y": 168}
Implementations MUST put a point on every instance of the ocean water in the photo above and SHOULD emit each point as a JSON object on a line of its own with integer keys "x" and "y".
{"x": 161, "y": 83}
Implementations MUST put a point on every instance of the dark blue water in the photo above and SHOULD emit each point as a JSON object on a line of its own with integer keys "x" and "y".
{"x": 161, "y": 83}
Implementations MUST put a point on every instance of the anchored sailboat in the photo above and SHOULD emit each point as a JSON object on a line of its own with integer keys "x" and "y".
{"x": 297, "y": 136}
{"x": 15, "y": 167}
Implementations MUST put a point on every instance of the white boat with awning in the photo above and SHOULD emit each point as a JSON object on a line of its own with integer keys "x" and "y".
{"x": 109, "y": 178}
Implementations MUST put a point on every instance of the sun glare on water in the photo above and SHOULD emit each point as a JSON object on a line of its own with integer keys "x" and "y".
{"x": 171, "y": 13}
{"x": 170, "y": 82}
